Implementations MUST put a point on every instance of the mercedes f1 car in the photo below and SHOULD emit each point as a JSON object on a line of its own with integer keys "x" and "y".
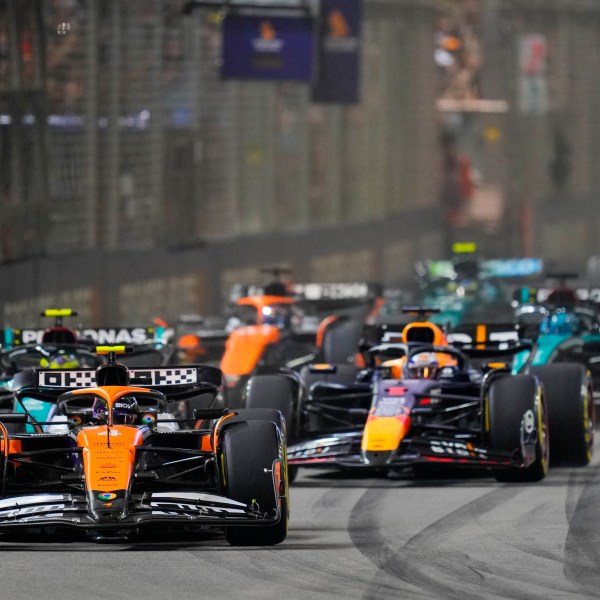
{"x": 422, "y": 403}
{"x": 113, "y": 461}
{"x": 468, "y": 289}
{"x": 61, "y": 347}
{"x": 563, "y": 323}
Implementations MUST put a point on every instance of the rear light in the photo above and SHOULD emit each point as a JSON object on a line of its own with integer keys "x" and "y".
{"x": 231, "y": 380}
{"x": 322, "y": 368}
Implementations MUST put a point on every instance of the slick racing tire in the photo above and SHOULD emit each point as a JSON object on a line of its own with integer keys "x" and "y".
{"x": 571, "y": 412}
{"x": 250, "y": 449}
{"x": 276, "y": 392}
{"x": 509, "y": 399}
{"x": 273, "y": 415}
{"x": 341, "y": 340}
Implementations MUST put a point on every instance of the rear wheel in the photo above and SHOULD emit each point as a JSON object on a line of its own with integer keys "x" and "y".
{"x": 571, "y": 412}
{"x": 341, "y": 340}
{"x": 250, "y": 449}
{"x": 276, "y": 392}
{"x": 513, "y": 403}
{"x": 262, "y": 393}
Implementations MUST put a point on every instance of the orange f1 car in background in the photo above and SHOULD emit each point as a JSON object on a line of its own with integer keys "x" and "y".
{"x": 292, "y": 326}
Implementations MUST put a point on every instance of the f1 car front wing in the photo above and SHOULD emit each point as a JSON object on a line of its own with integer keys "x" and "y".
{"x": 344, "y": 450}
{"x": 184, "y": 508}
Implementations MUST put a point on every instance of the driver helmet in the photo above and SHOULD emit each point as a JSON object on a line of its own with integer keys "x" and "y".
{"x": 190, "y": 346}
{"x": 126, "y": 411}
{"x": 560, "y": 323}
{"x": 423, "y": 365}
{"x": 63, "y": 359}
{"x": 278, "y": 315}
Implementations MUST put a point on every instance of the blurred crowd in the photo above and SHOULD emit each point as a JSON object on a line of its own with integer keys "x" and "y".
{"x": 458, "y": 49}
{"x": 457, "y": 55}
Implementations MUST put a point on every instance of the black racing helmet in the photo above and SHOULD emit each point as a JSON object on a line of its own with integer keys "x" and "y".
{"x": 126, "y": 411}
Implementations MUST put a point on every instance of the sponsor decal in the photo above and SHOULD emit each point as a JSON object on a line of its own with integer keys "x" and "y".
{"x": 113, "y": 433}
{"x": 107, "y": 496}
{"x": 332, "y": 291}
{"x": 339, "y": 52}
{"x": 76, "y": 420}
{"x": 149, "y": 418}
{"x": 81, "y": 378}
{"x": 67, "y": 378}
{"x": 457, "y": 448}
{"x": 124, "y": 404}
{"x": 529, "y": 421}
{"x": 175, "y": 508}
{"x": 390, "y": 407}
{"x": 175, "y": 376}
{"x": 27, "y": 336}
{"x": 124, "y": 335}
{"x": 31, "y": 510}
{"x": 268, "y": 40}
{"x": 267, "y": 47}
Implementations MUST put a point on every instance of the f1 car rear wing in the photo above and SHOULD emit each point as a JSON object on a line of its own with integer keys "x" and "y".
{"x": 484, "y": 334}
{"x": 530, "y": 295}
{"x": 502, "y": 268}
{"x": 494, "y": 339}
{"x": 323, "y": 293}
{"x": 10, "y": 337}
{"x": 175, "y": 382}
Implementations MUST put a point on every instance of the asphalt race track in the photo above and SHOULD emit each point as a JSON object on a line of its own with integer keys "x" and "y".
{"x": 457, "y": 537}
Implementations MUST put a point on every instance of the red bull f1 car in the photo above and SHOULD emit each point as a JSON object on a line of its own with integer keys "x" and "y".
{"x": 113, "y": 461}
{"x": 423, "y": 403}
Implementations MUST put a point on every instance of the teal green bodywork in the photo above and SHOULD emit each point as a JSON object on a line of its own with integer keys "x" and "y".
{"x": 546, "y": 345}
{"x": 38, "y": 409}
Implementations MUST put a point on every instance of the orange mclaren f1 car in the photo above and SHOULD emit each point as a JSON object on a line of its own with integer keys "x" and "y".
{"x": 291, "y": 328}
{"x": 111, "y": 459}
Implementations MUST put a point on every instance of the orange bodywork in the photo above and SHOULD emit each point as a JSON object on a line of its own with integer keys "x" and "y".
{"x": 108, "y": 467}
{"x": 323, "y": 325}
{"x": 424, "y": 331}
{"x": 420, "y": 331}
{"x": 13, "y": 447}
{"x": 384, "y": 433}
{"x": 245, "y": 346}
{"x": 109, "y": 450}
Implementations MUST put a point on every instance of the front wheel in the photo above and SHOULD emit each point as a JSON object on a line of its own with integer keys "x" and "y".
{"x": 516, "y": 409}
{"x": 251, "y": 452}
